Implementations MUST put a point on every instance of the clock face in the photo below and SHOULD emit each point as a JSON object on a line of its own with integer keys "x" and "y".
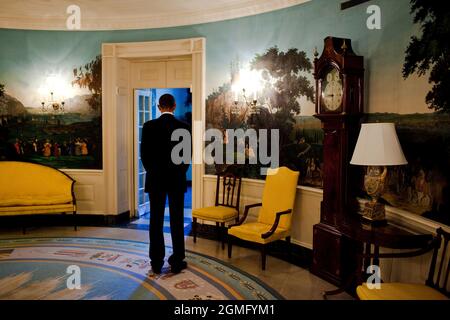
{"x": 332, "y": 91}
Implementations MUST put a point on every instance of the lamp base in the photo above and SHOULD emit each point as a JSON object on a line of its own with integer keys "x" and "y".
{"x": 374, "y": 213}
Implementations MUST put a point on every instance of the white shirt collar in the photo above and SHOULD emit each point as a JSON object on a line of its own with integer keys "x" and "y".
{"x": 167, "y": 112}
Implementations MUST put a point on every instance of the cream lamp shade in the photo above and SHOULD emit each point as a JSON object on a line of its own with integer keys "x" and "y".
{"x": 378, "y": 145}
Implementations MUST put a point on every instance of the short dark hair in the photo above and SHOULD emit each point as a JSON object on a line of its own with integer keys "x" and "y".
{"x": 166, "y": 101}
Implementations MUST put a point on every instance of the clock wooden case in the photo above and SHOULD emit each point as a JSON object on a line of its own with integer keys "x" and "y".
{"x": 339, "y": 75}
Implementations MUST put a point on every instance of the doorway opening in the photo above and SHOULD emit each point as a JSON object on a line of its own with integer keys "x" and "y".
{"x": 146, "y": 109}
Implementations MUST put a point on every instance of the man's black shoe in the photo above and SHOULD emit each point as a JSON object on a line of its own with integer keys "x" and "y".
{"x": 178, "y": 267}
{"x": 156, "y": 269}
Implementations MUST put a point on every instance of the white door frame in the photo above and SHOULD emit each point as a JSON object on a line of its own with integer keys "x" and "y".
{"x": 116, "y": 59}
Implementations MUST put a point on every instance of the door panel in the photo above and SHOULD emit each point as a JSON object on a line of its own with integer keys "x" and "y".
{"x": 148, "y": 74}
{"x": 179, "y": 74}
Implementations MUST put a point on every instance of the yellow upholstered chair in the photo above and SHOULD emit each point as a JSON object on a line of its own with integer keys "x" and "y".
{"x": 435, "y": 287}
{"x": 226, "y": 207}
{"x": 274, "y": 220}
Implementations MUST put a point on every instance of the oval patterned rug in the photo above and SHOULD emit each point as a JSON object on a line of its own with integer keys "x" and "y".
{"x": 45, "y": 268}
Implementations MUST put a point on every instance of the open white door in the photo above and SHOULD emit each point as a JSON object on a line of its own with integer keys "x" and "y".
{"x": 143, "y": 113}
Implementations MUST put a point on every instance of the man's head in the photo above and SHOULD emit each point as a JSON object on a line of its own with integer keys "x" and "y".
{"x": 167, "y": 103}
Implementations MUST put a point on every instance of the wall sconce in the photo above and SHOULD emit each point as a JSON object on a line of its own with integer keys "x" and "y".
{"x": 53, "y": 106}
{"x": 53, "y": 84}
{"x": 250, "y": 104}
{"x": 245, "y": 85}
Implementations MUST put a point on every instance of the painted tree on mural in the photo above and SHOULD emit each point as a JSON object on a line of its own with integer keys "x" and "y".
{"x": 284, "y": 74}
{"x": 285, "y": 84}
{"x": 431, "y": 51}
{"x": 90, "y": 76}
{"x": 213, "y": 106}
{"x": 218, "y": 110}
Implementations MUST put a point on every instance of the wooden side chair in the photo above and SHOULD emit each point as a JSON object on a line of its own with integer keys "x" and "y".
{"x": 435, "y": 287}
{"x": 226, "y": 207}
{"x": 274, "y": 220}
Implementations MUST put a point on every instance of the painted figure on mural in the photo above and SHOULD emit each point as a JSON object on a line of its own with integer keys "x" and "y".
{"x": 78, "y": 147}
{"x": 47, "y": 150}
{"x": 56, "y": 150}
{"x": 421, "y": 189}
{"x": 317, "y": 173}
{"x": 17, "y": 146}
{"x": 84, "y": 148}
{"x": 249, "y": 153}
{"x": 35, "y": 146}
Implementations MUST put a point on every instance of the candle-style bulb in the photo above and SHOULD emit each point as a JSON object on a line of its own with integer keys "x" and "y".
{"x": 316, "y": 53}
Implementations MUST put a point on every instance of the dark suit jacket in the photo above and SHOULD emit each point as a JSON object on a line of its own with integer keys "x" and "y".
{"x": 156, "y": 149}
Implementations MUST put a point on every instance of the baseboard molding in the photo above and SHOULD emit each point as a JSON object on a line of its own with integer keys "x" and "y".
{"x": 42, "y": 220}
{"x": 300, "y": 256}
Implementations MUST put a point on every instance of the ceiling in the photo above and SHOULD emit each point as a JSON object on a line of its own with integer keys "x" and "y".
{"x": 129, "y": 14}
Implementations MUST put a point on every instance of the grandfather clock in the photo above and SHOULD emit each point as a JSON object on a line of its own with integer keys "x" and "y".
{"x": 339, "y": 75}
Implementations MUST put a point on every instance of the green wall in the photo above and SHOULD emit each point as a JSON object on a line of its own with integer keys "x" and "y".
{"x": 26, "y": 55}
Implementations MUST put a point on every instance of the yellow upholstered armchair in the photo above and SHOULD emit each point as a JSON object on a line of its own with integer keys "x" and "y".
{"x": 435, "y": 287}
{"x": 226, "y": 207}
{"x": 274, "y": 220}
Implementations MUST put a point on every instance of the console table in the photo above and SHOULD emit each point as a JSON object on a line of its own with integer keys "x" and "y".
{"x": 385, "y": 236}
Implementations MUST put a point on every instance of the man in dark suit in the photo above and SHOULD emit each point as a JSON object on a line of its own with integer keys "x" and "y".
{"x": 164, "y": 179}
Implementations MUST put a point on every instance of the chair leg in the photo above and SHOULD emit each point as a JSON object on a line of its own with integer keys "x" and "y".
{"x": 75, "y": 227}
{"x": 263, "y": 257}
{"x": 218, "y": 230}
{"x": 194, "y": 229}
{"x": 288, "y": 244}
{"x": 230, "y": 246}
{"x": 223, "y": 231}
{"x": 24, "y": 224}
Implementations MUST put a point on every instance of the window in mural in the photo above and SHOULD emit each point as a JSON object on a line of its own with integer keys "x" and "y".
{"x": 58, "y": 122}
{"x": 268, "y": 94}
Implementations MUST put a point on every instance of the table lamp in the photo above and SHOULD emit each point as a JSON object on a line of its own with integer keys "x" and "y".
{"x": 377, "y": 147}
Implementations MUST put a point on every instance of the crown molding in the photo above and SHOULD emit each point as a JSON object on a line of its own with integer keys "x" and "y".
{"x": 34, "y": 17}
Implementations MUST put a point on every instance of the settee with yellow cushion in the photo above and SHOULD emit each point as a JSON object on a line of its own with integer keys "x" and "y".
{"x": 30, "y": 189}
{"x": 436, "y": 286}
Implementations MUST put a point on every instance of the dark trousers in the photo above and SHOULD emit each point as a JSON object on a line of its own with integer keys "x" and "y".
{"x": 176, "y": 210}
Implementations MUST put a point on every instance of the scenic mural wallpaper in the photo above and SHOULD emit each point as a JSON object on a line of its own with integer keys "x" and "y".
{"x": 280, "y": 81}
{"x": 285, "y": 102}
{"x": 54, "y": 117}
{"x": 422, "y": 186}
{"x": 406, "y": 83}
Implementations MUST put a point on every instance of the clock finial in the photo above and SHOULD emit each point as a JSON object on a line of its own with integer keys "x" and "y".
{"x": 344, "y": 46}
